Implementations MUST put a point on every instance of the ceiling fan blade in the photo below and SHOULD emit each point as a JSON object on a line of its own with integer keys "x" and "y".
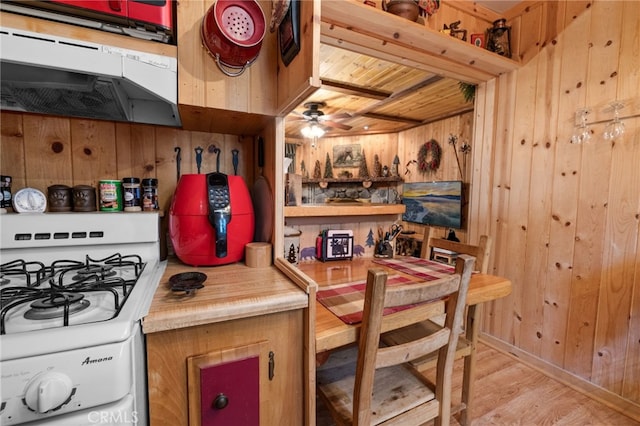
{"x": 337, "y": 116}
{"x": 335, "y": 125}
{"x": 289, "y": 118}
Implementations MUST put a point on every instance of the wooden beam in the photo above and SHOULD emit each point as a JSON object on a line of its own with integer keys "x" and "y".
{"x": 351, "y": 89}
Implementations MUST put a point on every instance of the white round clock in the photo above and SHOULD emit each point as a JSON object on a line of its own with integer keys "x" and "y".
{"x": 29, "y": 200}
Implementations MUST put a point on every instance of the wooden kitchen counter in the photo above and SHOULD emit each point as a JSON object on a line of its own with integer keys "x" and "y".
{"x": 230, "y": 292}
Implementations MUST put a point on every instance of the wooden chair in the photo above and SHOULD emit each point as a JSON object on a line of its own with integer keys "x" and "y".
{"x": 480, "y": 252}
{"x": 466, "y": 346}
{"x": 371, "y": 385}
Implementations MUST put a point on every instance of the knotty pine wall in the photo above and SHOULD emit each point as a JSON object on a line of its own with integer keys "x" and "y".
{"x": 39, "y": 151}
{"x": 386, "y": 147}
{"x": 565, "y": 218}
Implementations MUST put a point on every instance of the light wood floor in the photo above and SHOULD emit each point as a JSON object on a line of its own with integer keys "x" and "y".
{"x": 510, "y": 393}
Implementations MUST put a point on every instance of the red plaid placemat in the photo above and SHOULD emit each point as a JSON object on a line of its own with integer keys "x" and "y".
{"x": 426, "y": 270}
{"x": 346, "y": 301}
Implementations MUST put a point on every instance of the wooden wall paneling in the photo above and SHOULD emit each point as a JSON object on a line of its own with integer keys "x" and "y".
{"x": 191, "y": 56}
{"x": 550, "y": 341}
{"x": 501, "y": 315}
{"x": 619, "y": 289}
{"x": 124, "y": 153}
{"x": 629, "y": 66}
{"x": 482, "y": 142}
{"x": 93, "y": 151}
{"x": 574, "y": 9}
{"x": 143, "y": 150}
{"x": 47, "y": 151}
{"x": 518, "y": 210}
{"x": 12, "y": 158}
{"x": 527, "y": 31}
{"x": 167, "y": 139}
{"x": 631, "y": 385}
{"x": 613, "y": 304}
{"x": 565, "y": 268}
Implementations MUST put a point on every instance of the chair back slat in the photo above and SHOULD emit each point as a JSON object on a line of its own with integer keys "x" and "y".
{"x": 481, "y": 251}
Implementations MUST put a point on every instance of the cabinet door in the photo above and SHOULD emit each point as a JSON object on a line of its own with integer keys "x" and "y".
{"x": 224, "y": 386}
{"x": 301, "y": 77}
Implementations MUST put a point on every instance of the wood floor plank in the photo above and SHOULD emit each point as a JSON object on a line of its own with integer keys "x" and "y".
{"x": 510, "y": 393}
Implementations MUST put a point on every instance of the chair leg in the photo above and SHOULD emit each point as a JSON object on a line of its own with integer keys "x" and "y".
{"x": 471, "y": 333}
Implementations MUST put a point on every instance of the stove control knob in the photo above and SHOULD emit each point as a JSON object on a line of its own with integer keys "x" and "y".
{"x": 48, "y": 391}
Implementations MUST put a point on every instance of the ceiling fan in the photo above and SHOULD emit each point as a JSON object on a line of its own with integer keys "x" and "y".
{"x": 314, "y": 115}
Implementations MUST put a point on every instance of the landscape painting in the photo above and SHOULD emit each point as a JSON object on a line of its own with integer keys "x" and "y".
{"x": 433, "y": 203}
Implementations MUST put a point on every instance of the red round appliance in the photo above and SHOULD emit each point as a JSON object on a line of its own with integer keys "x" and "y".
{"x": 192, "y": 235}
{"x": 232, "y": 32}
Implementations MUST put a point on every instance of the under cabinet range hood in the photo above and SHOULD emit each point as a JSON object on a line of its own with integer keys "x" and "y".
{"x": 61, "y": 76}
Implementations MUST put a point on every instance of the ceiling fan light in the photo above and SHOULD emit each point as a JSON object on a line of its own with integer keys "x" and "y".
{"x": 312, "y": 131}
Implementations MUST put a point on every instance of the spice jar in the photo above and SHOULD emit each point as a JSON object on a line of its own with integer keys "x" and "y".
{"x": 150, "y": 194}
{"x": 131, "y": 193}
{"x": 5, "y": 185}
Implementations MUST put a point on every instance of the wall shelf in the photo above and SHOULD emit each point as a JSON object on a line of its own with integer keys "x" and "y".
{"x": 324, "y": 183}
{"x": 343, "y": 209}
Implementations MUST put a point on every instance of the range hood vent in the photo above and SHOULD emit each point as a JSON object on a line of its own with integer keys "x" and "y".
{"x": 60, "y": 76}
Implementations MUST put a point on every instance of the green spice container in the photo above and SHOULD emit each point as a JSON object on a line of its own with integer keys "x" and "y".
{"x": 111, "y": 196}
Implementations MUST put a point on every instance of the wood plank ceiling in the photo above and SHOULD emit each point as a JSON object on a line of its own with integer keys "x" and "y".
{"x": 379, "y": 96}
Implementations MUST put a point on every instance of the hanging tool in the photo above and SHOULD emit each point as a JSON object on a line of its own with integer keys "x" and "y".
{"x": 234, "y": 153}
{"x": 198, "y": 151}
{"x": 178, "y": 150}
{"x": 217, "y": 152}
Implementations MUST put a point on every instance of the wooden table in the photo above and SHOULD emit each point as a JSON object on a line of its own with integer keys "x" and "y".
{"x": 331, "y": 332}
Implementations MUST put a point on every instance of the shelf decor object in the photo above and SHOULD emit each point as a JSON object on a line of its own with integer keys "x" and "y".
{"x": 499, "y": 38}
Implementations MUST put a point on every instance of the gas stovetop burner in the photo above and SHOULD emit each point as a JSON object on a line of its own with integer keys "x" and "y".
{"x": 58, "y": 305}
{"x": 102, "y": 271}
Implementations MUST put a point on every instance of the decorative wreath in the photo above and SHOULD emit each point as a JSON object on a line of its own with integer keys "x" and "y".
{"x": 429, "y": 156}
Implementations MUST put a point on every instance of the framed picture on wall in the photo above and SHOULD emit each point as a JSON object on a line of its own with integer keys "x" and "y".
{"x": 289, "y": 33}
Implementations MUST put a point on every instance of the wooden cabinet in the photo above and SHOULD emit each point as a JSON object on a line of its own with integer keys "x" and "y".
{"x": 184, "y": 366}
{"x": 211, "y": 101}
{"x": 224, "y": 386}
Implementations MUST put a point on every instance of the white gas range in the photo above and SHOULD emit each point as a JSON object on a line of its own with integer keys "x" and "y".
{"x": 74, "y": 287}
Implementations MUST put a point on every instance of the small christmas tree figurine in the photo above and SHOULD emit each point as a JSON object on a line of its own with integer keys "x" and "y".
{"x": 292, "y": 256}
{"x": 303, "y": 170}
{"x": 328, "y": 168}
{"x": 317, "y": 171}
{"x": 363, "y": 170}
{"x": 377, "y": 166}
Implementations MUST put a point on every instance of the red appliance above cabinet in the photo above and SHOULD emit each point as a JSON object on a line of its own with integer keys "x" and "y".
{"x": 147, "y": 19}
